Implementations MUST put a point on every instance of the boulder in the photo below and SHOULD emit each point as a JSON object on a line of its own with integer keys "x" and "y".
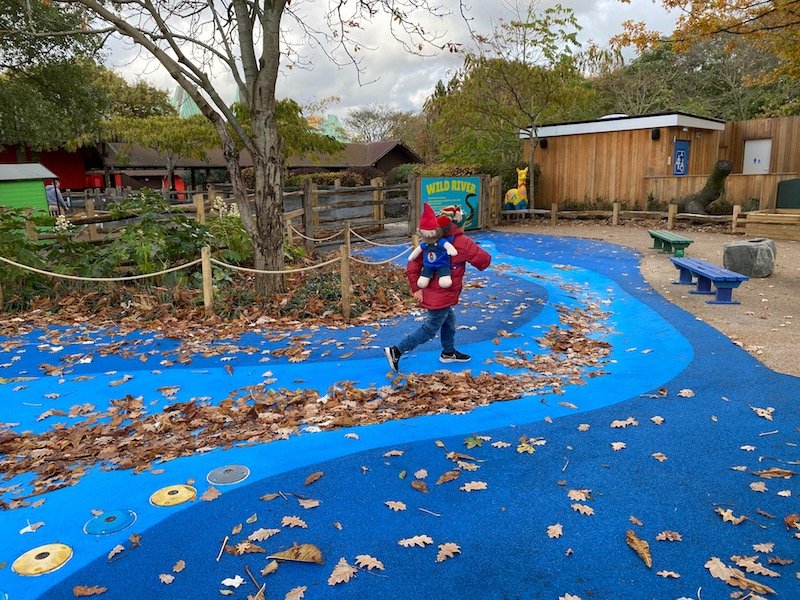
{"x": 754, "y": 258}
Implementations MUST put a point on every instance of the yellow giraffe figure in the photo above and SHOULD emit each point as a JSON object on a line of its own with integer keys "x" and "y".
{"x": 517, "y": 198}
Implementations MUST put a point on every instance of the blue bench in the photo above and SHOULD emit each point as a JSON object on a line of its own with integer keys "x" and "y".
{"x": 707, "y": 273}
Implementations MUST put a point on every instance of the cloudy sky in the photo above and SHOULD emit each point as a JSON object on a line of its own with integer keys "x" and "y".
{"x": 393, "y": 77}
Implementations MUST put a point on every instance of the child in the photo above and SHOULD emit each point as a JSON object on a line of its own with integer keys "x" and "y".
{"x": 439, "y": 301}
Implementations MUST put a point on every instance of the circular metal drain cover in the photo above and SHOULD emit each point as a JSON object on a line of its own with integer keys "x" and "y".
{"x": 41, "y": 560}
{"x": 110, "y": 522}
{"x": 172, "y": 495}
{"x": 228, "y": 475}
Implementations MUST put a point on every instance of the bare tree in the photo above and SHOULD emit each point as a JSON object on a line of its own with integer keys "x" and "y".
{"x": 244, "y": 40}
{"x": 374, "y": 123}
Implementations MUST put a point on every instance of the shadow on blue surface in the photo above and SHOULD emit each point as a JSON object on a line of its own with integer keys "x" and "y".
{"x": 671, "y": 475}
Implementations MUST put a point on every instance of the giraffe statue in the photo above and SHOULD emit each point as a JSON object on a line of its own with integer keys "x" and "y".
{"x": 517, "y": 198}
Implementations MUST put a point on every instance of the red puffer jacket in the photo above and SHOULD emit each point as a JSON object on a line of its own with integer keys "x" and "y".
{"x": 434, "y": 297}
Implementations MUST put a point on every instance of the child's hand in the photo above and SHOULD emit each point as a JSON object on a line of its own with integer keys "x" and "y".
{"x": 418, "y": 295}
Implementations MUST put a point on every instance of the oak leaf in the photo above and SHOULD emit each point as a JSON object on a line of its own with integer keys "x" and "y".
{"x": 342, "y": 572}
{"x": 260, "y": 535}
{"x": 467, "y": 466}
{"x": 308, "y": 502}
{"x": 658, "y": 420}
{"x": 766, "y": 547}
{"x": 727, "y": 516}
{"x": 584, "y": 427}
{"x": 583, "y": 509}
{"x": 270, "y": 568}
{"x": 233, "y": 582}
{"x": 116, "y": 550}
{"x": 472, "y": 486}
{"x": 686, "y": 393}
{"x": 420, "y": 486}
{"x": 555, "y": 531}
{"x": 297, "y": 593}
{"x": 83, "y": 590}
{"x": 166, "y": 578}
{"x": 418, "y": 540}
{"x": 775, "y": 472}
{"x": 210, "y": 494}
{"x": 617, "y": 446}
{"x": 669, "y": 536}
{"x": 668, "y": 574}
{"x": 758, "y": 486}
{"x": 421, "y": 474}
{"x": 395, "y": 505}
{"x": 580, "y": 495}
{"x": 308, "y": 553}
{"x": 365, "y": 561}
{"x": 569, "y": 597}
{"x": 500, "y": 444}
{"x": 635, "y": 521}
{"x": 640, "y": 546}
{"x": 764, "y": 413}
{"x": 734, "y": 577}
{"x": 447, "y": 550}
{"x": 751, "y": 565}
{"x": 314, "y": 477}
{"x": 179, "y": 566}
{"x": 292, "y": 521}
{"x": 448, "y": 476}
{"x": 659, "y": 456}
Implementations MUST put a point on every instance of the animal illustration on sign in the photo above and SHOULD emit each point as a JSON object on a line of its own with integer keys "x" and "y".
{"x": 517, "y": 198}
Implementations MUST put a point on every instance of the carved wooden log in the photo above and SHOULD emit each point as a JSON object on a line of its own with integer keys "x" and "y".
{"x": 696, "y": 203}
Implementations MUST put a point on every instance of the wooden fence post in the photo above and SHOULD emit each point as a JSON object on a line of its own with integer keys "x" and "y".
{"x": 615, "y": 214}
{"x": 344, "y": 253}
{"x": 734, "y": 223}
{"x": 92, "y": 227}
{"x": 308, "y": 216}
{"x": 673, "y": 210}
{"x": 378, "y": 212}
{"x": 413, "y": 204}
{"x": 200, "y": 208}
{"x": 208, "y": 293}
{"x": 554, "y": 213}
{"x": 495, "y": 199}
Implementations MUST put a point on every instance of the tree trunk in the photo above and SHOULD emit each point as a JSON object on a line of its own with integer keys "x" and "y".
{"x": 696, "y": 203}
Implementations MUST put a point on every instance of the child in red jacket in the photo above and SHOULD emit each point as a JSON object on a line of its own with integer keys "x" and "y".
{"x": 440, "y": 300}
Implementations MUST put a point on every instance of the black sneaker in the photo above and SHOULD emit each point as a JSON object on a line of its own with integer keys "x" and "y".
{"x": 454, "y": 356}
{"x": 392, "y": 357}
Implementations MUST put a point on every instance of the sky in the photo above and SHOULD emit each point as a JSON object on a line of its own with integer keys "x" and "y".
{"x": 395, "y": 78}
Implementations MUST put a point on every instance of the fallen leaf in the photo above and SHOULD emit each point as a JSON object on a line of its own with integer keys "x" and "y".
{"x": 668, "y": 574}
{"x": 292, "y": 521}
{"x": 237, "y": 529}
{"x": 686, "y": 393}
{"x": 365, "y": 561}
{"x": 421, "y": 474}
{"x": 314, "y": 477}
{"x": 764, "y": 413}
{"x": 640, "y": 546}
{"x": 775, "y": 472}
{"x": 342, "y": 572}
{"x": 394, "y": 505}
{"x": 580, "y": 495}
{"x": 417, "y": 540}
{"x": 233, "y": 582}
{"x": 583, "y": 509}
{"x": 116, "y": 550}
{"x": 473, "y": 486}
{"x": 210, "y": 494}
{"x": 766, "y": 547}
{"x": 758, "y": 486}
{"x": 617, "y": 446}
{"x": 259, "y": 535}
{"x": 555, "y": 531}
{"x": 448, "y": 476}
{"x": 251, "y": 519}
{"x": 734, "y": 577}
{"x": 420, "y": 486}
{"x": 297, "y": 593}
{"x": 166, "y": 578}
{"x": 83, "y": 590}
{"x": 660, "y": 457}
{"x": 270, "y": 568}
{"x": 179, "y": 566}
{"x": 727, "y": 516}
{"x": 635, "y": 521}
{"x": 300, "y": 553}
{"x": 447, "y": 550}
{"x": 308, "y": 502}
{"x": 669, "y": 536}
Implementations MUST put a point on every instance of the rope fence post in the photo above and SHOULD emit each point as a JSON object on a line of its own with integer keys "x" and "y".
{"x": 200, "y": 208}
{"x": 92, "y": 227}
{"x": 554, "y": 213}
{"x": 308, "y": 217}
{"x": 208, "y": 294}
{"x": 673, "y": 210}
{"x": 737, "y": 208}
{"x": 378, "y": 211}
{"x": 344, "y": 253}
{"x": 615, "y": 214}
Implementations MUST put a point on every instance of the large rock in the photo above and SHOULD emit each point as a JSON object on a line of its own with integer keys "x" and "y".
{"x": 754, "y": 258}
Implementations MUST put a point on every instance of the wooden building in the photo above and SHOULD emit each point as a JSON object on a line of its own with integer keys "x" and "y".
{"x": 22, "y": 186}
{"x": 663, "y": 157}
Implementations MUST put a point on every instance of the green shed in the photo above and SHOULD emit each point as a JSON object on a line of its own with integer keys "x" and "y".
{"x": 22, "y": 186}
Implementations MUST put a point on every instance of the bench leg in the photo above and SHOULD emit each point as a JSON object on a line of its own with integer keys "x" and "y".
{"x": 724, "y": 296}
{"x": 685, "y": 277}
{"x": 703, "y": 286}
{"x": 679, "y": 251}
{"x": 656, "y": 244}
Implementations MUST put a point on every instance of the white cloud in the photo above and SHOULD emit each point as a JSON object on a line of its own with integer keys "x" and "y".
{"x": 393, "y": 77}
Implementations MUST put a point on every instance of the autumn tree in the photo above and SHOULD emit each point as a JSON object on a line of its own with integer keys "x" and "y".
{"x": 772, "y": 25}
{"x": 374, "y": 123}
{"x": 522, "y": 73}
{"x": 244, "y": 40}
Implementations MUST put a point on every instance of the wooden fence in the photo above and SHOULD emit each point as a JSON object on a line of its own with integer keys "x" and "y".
{"x": 738, "y": 188}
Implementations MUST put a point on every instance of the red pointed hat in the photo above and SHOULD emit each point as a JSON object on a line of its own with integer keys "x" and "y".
{"x": 428, "y": 219}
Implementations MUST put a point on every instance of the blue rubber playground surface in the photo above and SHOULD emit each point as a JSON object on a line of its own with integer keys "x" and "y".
{"x": 676, "y": 438}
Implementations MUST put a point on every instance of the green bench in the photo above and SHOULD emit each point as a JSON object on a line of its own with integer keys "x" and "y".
{"x": 669, "y": 242}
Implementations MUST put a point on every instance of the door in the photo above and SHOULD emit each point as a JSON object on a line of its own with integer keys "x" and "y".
{"x": 680, "y": 158}
{"x": 757, "y": 154}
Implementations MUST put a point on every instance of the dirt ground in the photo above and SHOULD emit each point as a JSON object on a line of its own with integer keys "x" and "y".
{"x": 766, "y": 323}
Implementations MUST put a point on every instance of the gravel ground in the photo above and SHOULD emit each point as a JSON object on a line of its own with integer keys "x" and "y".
{"x": 766, "y": 322}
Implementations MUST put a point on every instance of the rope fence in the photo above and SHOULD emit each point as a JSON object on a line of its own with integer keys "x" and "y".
{"x": 205, "y": 260}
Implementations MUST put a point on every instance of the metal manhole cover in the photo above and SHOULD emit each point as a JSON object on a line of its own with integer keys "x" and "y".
{"x": 41, "y": 560}
{"x": 110, "y": 522}
{"x": 228, "y": 475}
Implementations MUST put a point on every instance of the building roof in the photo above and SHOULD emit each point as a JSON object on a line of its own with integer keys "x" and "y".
{"x": 358, "y": 154}
{"x": 626, "y": 123}
{"x": 25, "y": 172}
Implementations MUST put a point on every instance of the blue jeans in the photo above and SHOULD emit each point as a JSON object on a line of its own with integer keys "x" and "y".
{"x": 442, "y": 321}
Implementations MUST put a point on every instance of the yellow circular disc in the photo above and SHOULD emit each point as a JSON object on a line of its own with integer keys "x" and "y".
{"x": 41, "y": 560}
{"x": 172, "y": 495}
